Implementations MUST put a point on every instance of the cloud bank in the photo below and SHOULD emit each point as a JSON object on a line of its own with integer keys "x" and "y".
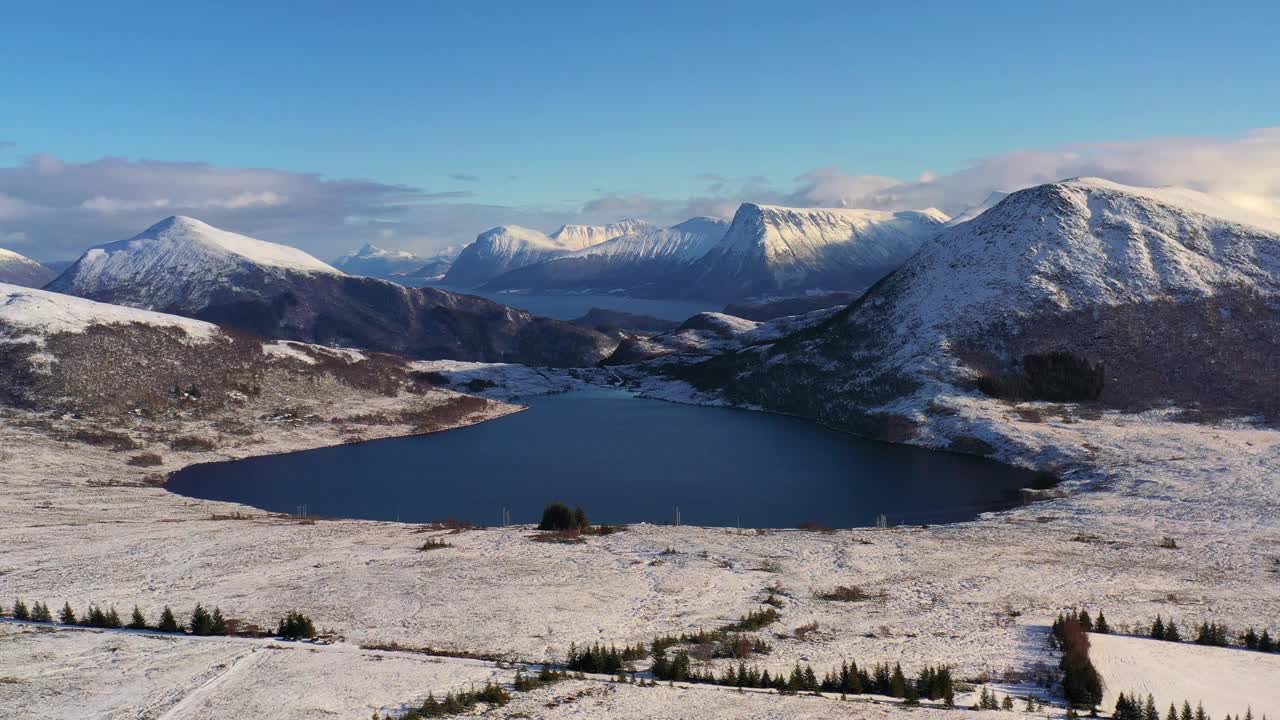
{"x": 51, "y": 209}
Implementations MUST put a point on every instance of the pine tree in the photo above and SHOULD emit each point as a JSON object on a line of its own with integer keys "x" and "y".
{"x": 1007, "y": 703}
{"x": 1265, "y": 643}
{"x": 1186, "y": 711}
{"x": 1150, "y": 712}
{"x": 1171, "y": 633}
{"x": 20, "y": 611}
{"x": 1173, "y": 713}
{"x": 219, "y": 626}
{"x": 897, "y": 683}
{"x": 201, "y": 622}
{"x": 113, "y": 619}
{"x": 1157, "y": 629}
{"x": 1085, "y": 621}
{"x": 137, "y": 621}
{"x": 40, "y": 613}
{"x": 1200, "y": 714}
{"x": 1251, "y": 639}
{"x": 67, "y": 616}
{"x": 1100, "y": 626}
{"x": 168, "y": 623}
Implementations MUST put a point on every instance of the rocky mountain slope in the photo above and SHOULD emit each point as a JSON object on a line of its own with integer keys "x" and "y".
{"x": 509, "y": 247}
{"x": 20, "y": 270}
{"x": 373, "y": 261}
{"x": 68, "y": 354}
{"x": 1078, "y": 290}
{"x": 185, "y": 267}
{"x": 642, "y": 262}
{"x": 771, "y": 250}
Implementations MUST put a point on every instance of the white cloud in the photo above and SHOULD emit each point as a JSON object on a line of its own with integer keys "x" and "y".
{"x": 59, "y": 208}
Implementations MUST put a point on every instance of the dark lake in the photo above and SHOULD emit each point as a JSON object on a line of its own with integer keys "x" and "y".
{"x": 624, "y": 460}
{"x": 569, "y": 306}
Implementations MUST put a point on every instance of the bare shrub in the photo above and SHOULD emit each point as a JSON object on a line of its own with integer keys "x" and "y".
{"x": 146, "y": 459}
{"x": 804, "y": 631}
{"x": 434, "y": 543}
{"x": 845, "y": 593}
{"x": 1168, "y": 543}
{"x": 113, "y": 439}
{"x": 192, "y": 443}
{"x": 812, "y": 526}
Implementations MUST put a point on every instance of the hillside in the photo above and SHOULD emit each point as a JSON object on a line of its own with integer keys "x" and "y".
{"x": 69, "y": 355}
{"x": 19, "y": 270}
{"x": 1076, "y": 290}
{"x": 778, "y": 250}
{"x": 185, "y": 267}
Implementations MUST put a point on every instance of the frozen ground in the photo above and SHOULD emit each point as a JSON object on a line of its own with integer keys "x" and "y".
{"x": 81, "y": 525}
{"x": 1226, "y": 680}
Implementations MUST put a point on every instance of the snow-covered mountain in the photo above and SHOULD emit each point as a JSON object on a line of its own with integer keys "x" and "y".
{"x": 992, "y": 200}
{"x": 20, "y": 270}
{"x": 373, "y": 261}
{"x": 637, "y": 262}
{"x": 178, "y": 264}
{"x": 579, "y": 237}
{"x": 778, "y": 250}
{"x": 509, "y": 247}
{"x": 186, "y": 267}
{"x": 1081, "y": 288}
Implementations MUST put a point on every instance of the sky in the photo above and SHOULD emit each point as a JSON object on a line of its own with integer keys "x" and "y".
{"x": 420, "y": 124}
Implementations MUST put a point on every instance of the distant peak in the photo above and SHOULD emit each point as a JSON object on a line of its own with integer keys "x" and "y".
{"x": 177, "y": 222}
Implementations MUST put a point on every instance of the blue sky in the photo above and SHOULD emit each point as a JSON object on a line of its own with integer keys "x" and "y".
{"x": 550, "y": 106}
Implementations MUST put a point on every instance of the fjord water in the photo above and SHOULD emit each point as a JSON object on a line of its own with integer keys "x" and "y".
{"x": 624, "y": 460}
{"x": 569, "y": 306}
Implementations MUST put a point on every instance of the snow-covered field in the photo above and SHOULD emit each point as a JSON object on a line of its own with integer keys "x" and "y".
{"x": 81, "y": 525}
{"x": 1226, "y": 680}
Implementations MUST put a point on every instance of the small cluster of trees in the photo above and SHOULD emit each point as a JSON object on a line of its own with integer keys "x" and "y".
{"x": 1081, "y": 684}
{"x": 492, "y": 693}
{"x": 932, "y": 683}
{"x": 559, "y": 518}
{"x": 201, "y": 622}
{"x": 755, "y": 619}
{"x": 1215, "y": 634}
{"x": 457, "y": 703}
{"x": 600, "y": 659}
{"x": 1131, "y": 707}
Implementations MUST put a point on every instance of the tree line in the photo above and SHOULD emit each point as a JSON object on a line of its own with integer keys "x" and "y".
{"x": 203, "y": 622}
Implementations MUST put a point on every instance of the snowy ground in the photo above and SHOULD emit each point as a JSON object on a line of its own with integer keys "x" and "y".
{"x": 1226, "y": 680}
{"x": 81, "y": 525}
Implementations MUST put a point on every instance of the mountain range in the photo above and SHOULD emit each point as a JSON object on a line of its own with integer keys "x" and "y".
{"x": 1080, "y": 290}
{"x": 508, "y": 247}
{"x": 20, "y": 270}
{"x": 185, "y": 267}
{"x": 765, "y": 251}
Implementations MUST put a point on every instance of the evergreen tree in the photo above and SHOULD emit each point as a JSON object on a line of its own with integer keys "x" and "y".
{"x": 137, "y": 621}
{"x": 20, "y": 611}
{"x": 1186, "y": 711}
{"x": 67, "y": 616}
{"x": 949, "y": 698}
{"x": 113, "y": 619}
{"x": 897, "y": 682}
{"x": 1085, "y": 621}
{"x": 1100, "y": 626}
{"x": 1150, "y": 712}
{"x": 1171, "y": 632}
{"x": 201, "y": 622}
{"x": 40, "y": 613}
{"x": 1200, "y": 714}
{"x": 1251, "y": 639}
{"x": 1157, "y": 629}
{"x": 1172, "y": 714}
{"x": 219, "y": 626}
{"x": 168, "y": 623}
{"x": 1007, "y": 703}
{"x": 1265, "y": 643}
